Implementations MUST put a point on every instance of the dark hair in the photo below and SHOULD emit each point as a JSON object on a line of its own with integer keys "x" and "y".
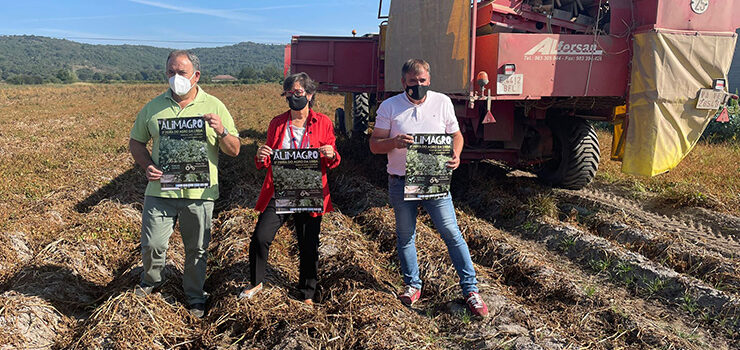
{"x": 414, "y": 65}
{"x": 306, "y": 83}
{"x": 191, "y": 56}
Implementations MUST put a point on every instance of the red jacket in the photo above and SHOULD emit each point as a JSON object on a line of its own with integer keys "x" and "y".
{"x": 321, "y": 131}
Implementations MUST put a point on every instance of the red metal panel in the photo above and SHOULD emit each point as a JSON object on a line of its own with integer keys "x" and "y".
{"x": 620, "y": 21}
{"x": 719, "y": 16}
{"x": 503, "y": 128}
{"x": 515, "y": 14}
{"x": 510, "y": 157}
{"x": 337, "y": 63}
{"x": 557, "y": 65}
{"x": 286, "y": 60}
{"x": 486, "y": 57}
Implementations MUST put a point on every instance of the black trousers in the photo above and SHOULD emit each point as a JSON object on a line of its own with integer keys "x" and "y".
{"x": 307, "y": 231}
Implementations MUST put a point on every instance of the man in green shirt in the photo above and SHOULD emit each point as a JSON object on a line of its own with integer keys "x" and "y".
{"x": 193, "y": 207}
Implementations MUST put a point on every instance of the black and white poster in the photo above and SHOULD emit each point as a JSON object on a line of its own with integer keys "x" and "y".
{"x": 427, "y": 174}
{"x": 296, "y": 174}
{"x": 183, "y": 157}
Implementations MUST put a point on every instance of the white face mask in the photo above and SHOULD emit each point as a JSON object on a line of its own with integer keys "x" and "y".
{"x": 180, "y": 85}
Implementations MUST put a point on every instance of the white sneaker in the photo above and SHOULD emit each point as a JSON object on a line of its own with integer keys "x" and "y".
{"x": 250, "y": 291}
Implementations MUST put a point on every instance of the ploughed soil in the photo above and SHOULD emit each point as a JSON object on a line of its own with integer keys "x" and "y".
{"x": 559, "y": 269}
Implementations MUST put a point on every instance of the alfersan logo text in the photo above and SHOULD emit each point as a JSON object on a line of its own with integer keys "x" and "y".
{"x": 550, "y": 46}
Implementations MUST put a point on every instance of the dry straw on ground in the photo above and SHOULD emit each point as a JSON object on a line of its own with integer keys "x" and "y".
{"x": 14, "y": 253}
{"x": 71, "y": 207}
{"x": 72, "y": 275}
{"x": 127, "y": 321}
{"x": 30, "y": 322}
{"x": 351, "y": 195}
{"x": 356, "y": 306}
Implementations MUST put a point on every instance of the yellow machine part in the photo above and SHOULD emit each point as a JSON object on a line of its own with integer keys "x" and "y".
{"x": 436, "y": 31}
{"x": 619, "y": 135}
{"x": 668, "y": 69}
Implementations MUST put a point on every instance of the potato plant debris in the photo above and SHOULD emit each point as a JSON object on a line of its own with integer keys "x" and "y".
{"x": 612, "y": 266}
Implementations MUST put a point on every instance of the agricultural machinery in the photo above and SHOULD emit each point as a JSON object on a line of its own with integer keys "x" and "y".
{"x": 526, "y": 76}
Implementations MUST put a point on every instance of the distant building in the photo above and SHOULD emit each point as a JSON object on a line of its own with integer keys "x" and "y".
{"x": 223, "y": 78}
{"x": 734, "y": 76}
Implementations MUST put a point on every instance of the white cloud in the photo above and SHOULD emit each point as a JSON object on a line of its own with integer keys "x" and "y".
{"x": 68, "y": 33}
{"x": 279, "y": 7}
{"x": 50, "y": 19}
{"x": 228, "y": 14}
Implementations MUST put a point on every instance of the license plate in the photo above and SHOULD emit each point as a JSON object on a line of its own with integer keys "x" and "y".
{"x": 710, "y": 99}
{"x": 509, "y": 84}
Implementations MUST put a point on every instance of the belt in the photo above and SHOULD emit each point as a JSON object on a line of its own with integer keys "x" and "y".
{"x": 399, "y": 177}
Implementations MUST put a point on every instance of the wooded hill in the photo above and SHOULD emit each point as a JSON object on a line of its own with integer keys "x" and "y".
{"x": 37, "y": 59}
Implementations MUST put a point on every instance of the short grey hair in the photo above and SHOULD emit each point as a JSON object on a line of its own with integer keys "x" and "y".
{"x": 191, "y": 56}
{"x": 306, "y": 82}
{"x": 414, "y": 65}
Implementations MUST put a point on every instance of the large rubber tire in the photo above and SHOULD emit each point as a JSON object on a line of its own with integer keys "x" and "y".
{"x": 360, "y": 113}
{"x": 339, "y": 126}
{"x": 575, "y": 154}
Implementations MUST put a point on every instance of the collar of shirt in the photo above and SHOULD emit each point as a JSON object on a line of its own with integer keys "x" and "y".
{"x": 200, "y": 95}
{"x": 311, "y": 119}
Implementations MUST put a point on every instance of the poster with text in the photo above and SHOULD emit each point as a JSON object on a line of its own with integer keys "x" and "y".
{"x": 296, "y": 174}
{"x": 427, "y": 174}
{"x": 183, "y": 157}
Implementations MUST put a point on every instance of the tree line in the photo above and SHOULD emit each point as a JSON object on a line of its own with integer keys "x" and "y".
{"x": 247, "y": 75}
{"x": 39, "y": 60}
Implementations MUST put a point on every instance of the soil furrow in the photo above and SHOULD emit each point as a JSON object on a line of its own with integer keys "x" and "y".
{"x": 710, "y": 267}
{"x": 698, "y": 231}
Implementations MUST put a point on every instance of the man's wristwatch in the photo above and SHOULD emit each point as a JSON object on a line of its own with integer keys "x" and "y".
{"x": 225, "y": 133}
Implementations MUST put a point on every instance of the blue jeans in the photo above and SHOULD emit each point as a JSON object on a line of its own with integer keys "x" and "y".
{"x": 442, "y": 213}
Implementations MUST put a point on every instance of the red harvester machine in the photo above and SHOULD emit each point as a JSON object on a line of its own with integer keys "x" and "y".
{"x": 655, "y": 68}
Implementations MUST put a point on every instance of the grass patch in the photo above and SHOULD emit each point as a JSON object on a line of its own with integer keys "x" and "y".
{"x": 543, "y": 205}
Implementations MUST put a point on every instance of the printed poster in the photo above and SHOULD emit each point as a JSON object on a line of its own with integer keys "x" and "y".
{"x": 427, "y": 174}
{"x": 183, "y": 157}
{"x": 296, "y": 174}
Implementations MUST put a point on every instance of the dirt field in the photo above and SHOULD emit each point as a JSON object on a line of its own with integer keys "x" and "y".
{"x": 625, "y": 263}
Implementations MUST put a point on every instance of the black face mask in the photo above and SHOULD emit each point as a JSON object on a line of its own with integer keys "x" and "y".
{"x": 297, "y": 103}
{"x": 417, "y": 92}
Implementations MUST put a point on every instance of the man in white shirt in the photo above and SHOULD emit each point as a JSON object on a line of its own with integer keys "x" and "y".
{"x": 419, "y": 110}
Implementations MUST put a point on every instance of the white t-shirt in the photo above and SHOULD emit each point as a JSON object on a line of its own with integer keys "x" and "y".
{"x": 436, "y": 115}
{"x": 288, "y": 138}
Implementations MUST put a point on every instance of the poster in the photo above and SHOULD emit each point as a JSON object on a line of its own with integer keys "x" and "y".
{"x": 296, "y": 174}
{"x": 183, "y": 157}
{"x": 427, "y": 174}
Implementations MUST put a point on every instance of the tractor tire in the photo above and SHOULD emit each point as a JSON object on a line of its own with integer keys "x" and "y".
{"x": 360, "y": 113}
{"x": 339, "y": 124}
{"x": 575, "y": 154}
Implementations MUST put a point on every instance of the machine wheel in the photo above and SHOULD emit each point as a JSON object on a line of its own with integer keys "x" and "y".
{"x": 360, "y": 112}
{"x": 339, "y": 125}
{"x": 575, "y": 154}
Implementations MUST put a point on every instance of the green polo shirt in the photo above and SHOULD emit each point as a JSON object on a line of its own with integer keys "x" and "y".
{"x": 163, "y": 106}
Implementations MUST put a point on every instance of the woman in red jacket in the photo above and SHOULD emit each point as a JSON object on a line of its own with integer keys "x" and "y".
{"x": 299, "y": 127}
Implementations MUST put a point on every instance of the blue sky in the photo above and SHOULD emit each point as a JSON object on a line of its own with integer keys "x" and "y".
{"x": 187, "y": 24}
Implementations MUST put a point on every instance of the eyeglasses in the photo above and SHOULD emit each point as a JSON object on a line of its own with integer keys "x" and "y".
{"x": 296, "y": 92}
